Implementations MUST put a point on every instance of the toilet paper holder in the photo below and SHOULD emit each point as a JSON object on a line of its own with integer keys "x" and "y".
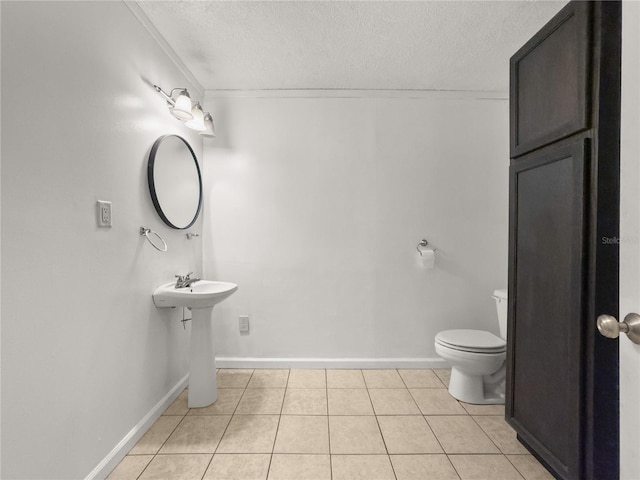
{"x": 424, "y": 244}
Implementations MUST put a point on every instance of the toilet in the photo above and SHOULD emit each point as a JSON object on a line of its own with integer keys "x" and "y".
{"x": 477, "y": 359}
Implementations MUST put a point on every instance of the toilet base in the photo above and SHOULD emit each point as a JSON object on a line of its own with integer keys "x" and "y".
{"x": 478, "y": 389}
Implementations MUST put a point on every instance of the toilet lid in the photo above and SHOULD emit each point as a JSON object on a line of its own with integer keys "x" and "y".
{"x": 472, "y": 341}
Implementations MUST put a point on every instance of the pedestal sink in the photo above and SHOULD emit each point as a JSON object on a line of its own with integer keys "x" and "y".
{"x": 199, "y": 297}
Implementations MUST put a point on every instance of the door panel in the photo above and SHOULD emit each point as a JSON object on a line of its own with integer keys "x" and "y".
{"x": 549, "y": 82}
{"x": 548, "y": 214}
{"x": 562, "y": 387}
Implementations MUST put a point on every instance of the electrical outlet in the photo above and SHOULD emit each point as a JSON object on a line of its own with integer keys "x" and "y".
{"x": 104, "y": 213}
{"x": 244, "y": 323}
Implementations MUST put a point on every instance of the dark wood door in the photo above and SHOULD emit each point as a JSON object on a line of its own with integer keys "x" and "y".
{"x": 562, "y": 387}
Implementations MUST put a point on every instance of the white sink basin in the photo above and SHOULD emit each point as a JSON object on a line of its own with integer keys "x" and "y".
{"x": 201, "y": 294}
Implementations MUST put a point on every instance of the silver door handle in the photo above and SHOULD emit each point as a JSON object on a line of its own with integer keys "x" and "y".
{"x": 611, "y": 328}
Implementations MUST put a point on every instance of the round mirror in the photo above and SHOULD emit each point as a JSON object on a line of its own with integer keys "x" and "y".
{"x": 175, "y": 183}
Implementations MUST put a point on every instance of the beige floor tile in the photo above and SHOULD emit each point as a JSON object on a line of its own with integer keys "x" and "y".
{"x": 249, "y": 434}
{"x": 307, "y": 379}
{"x": 130, "y": 467}
{"x": 408, "y": 434}
{"x": 393, "y": 401}
{"x": 421, "y": 379}
{"x": 345, "y": 379}
{"x": 443, "y": 374}
{"x": 349, "y": 401}
{"x": 361, "y": 467}
{"x": 305, "y": 401}
{"x": 436, "y": 401}
{"x": 300, "y": 467}
{"x": 383, "y": 379}
{"x": 460, "y": 434}
{"x": 176, "y": 467}
{"x": 155, "y": 437}
{"x": 501, "y": 434}
{"x": 483, "y": 409}
{"x": 261, "y": 401}
{"x": 197, "y": 434}
{"x": 269, "y": 379}
{"x": 529, "y": 467}
{"x": 238, "y": 467}
{"x": 484, "y": 467}
{"x": 422, "y": 467}
{"x": 234, "y": 377}
{"x": 302, "y": 434}
{"x": 355, "y": 435}
{"x": 225, "y": 404}
{"x": 179, "y": 405}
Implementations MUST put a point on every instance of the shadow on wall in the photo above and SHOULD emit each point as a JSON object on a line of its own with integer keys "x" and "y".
{"x": 221, "y": 118}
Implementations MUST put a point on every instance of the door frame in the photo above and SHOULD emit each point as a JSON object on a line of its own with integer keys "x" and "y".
{"x": 630, "y": 240}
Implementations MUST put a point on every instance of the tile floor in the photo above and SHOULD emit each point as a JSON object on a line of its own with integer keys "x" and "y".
{"x": 330, "y": 425}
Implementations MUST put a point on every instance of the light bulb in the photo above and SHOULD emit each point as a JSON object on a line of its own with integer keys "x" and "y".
{"x": 197, "y": 123}
{"x": 210, "y": 129}
{"x": 182, "y": 107}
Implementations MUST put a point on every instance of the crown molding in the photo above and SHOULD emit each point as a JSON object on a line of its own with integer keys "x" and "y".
{"x": 146, "y": 22}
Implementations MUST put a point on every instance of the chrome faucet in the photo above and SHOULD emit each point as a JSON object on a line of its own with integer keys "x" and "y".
{"x": 184, "y": 281}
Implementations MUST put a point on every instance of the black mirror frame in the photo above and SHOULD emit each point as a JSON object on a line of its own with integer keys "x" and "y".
{"x": 152, "y": 188}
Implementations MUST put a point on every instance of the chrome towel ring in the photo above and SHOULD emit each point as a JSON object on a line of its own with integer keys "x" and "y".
{"x": 158, "y": 243}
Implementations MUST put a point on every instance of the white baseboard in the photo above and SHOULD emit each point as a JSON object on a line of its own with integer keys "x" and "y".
{"x": 116, "y": 455}
{"x": 365, "y": 363}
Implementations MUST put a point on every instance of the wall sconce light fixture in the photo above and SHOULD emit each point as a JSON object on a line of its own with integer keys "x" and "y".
{"x": 180, "y": 106}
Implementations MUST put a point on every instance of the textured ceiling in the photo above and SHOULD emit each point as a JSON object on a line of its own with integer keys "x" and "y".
{"x": 441, "y": 45}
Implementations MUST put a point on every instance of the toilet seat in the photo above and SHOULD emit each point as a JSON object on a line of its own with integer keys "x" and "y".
{"x": 473, "y": 341}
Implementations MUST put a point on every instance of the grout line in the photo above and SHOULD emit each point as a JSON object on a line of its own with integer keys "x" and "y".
{"x": 393, "y": 469}
{"x": 434, "y": 435}
{"x": 475, "y": 455}
{"x": 211, "y": 459}
{"x": 168, "y": 436}
{"x": 228, "y": 423}
{"x": 440, "y": 378}
{"x": 275, "y": 438}
{"x": 173, "y": 431}
{"x": 372, "y": 407}
{"x": 485, "y": 432}
{"x": 517, "y": 469}
{"x": 431, "y": 429}
{"x": 143, "y": 470}
{"x": 402, "y": 378}
{"x": 416, "y": 402}
{"x": 364, "y": 379}
{"x": 438, "y": 440}
{"x": 454, "y": 467}
{"x": 380, "y": 430}
{"x": 326, "y": 385}
{"x": 225, "y": 429}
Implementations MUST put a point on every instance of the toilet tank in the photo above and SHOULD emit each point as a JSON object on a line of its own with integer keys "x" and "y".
{"x": 500, "y": 296}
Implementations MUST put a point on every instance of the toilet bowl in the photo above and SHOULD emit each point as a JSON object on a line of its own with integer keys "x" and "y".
{"x": 477, "y": 359}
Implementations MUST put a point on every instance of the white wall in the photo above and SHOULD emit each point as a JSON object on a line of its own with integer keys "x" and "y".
{"x": 630, "y": 240}
{"x": 315, "y": 207}
{"x": 85, "y": 354}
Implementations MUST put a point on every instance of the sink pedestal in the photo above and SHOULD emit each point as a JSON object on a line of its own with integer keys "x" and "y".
{"x": 203, "y": 386}
{"x": 200, "y": 296}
